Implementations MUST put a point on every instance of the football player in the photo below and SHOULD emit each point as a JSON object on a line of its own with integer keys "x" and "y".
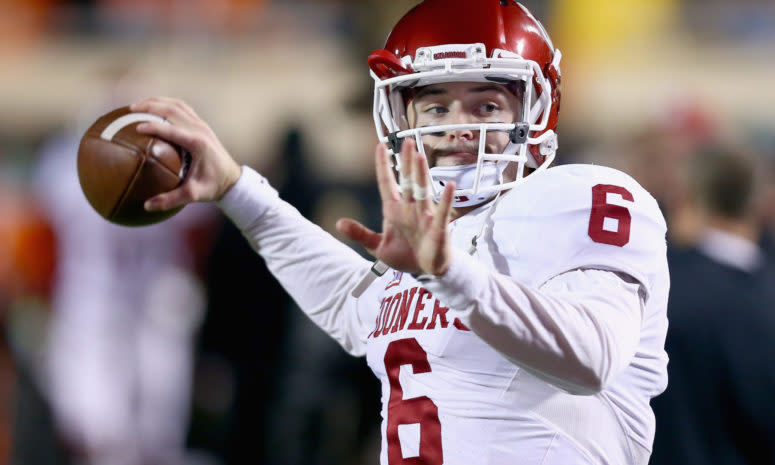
{"x": 515, "y": 312}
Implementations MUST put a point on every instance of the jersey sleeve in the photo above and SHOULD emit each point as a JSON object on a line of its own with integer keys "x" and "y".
{"x": 317, "y": 270}
{"x": 576, "y": 332}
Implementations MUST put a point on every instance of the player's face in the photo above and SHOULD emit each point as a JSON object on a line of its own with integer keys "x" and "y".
{"x": 462, "y": 103}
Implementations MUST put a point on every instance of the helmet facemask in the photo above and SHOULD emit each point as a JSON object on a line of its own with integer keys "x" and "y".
{"x": 530, "y": 144}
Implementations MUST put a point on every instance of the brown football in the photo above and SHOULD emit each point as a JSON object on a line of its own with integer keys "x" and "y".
{"x": 119, "y": 168}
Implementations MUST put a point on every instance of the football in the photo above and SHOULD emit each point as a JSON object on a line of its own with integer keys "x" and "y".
{"x": 119, "y": 168}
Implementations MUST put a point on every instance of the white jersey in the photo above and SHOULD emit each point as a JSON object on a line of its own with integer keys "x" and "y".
{"x": 545, "y": 347}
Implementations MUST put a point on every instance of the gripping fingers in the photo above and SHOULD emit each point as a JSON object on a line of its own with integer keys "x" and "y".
{"x": 170, "y": 133}
{"x": 168, "y": 108}
{"x": 169, "y": 200}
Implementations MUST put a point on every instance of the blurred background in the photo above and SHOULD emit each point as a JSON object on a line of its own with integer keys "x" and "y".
{"x": 172, "y": 344}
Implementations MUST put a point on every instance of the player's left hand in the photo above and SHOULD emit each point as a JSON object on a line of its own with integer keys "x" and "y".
{"x": 414, "y": 235}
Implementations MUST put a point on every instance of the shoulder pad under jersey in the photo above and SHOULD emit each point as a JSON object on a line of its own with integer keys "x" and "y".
{"x": 582, "y": 216}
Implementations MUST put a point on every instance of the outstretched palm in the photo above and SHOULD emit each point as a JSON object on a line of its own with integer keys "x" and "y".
{"x": 414, "y": 235}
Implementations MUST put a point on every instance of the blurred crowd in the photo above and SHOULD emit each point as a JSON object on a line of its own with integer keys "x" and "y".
{"x": 172, "y": 344}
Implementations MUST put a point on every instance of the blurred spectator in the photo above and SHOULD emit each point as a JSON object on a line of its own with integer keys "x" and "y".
{"x": 27, "y": 248}
{"x": 26, "y": 266}
{"x": 766, "y": 200}
{"x": 658, "y": 156}
{"x": 718, "y": 407}
{"x": 126, "y": 307}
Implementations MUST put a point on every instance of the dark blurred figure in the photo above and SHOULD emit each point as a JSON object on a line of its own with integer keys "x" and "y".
{"x": 718, "y": 406}
{"x": 766, "y": 203}
{"x": 326, "y": 410}
{"x": 271, "y": 388}
{"x": 237, "y": 355}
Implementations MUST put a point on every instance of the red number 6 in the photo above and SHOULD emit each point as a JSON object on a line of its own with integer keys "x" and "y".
{"x": 601, "y": 210}
{"x": 402, "y": 411}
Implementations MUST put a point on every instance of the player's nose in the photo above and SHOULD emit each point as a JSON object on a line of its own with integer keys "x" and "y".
{"x": 459, "y": 116}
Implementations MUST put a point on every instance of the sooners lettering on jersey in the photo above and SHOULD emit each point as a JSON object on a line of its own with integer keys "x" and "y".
{"x": 450, "y": 398}
{"x": 413, "y": 306}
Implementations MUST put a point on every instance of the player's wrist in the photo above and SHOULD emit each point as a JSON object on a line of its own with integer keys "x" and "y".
{"x": 423, "y": 277}
{"x": 249, "y": 198}
{"x": 441, "y": 269}
{"x": 465, "y": 278}
{"x": 234, "y": 172}
{"x": 435, "y": 271}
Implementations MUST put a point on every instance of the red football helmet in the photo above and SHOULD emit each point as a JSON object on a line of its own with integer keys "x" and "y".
{"x": 472, "y": 40}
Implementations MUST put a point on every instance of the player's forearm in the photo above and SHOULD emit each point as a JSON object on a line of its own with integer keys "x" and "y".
{"x": 577, "y": 331}
{"x": 317, "y": 270}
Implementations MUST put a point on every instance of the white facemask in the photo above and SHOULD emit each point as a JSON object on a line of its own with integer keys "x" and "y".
{"x": 464, "y": 177}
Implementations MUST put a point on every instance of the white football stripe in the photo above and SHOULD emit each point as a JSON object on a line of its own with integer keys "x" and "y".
{"x": 126, "y": 120}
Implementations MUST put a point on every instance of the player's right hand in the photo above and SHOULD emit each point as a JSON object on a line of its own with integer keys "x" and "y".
{"x": 212, "y": 171}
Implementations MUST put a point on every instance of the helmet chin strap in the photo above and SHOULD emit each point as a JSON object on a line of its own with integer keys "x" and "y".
{"x": 464, "y": 177}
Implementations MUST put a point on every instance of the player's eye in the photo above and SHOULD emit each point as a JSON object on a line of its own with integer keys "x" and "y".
{"x": 437, "y": 110}
{"x": 488, "y": 108}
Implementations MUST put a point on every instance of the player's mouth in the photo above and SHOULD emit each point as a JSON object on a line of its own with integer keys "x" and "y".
{"x": 455, "y": 159}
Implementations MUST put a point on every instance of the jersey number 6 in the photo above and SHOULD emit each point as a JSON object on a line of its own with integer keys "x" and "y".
{"x": 402, "y": 411}
{"x": 601, "y": 210}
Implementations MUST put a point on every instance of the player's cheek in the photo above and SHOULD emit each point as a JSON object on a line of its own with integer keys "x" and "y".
{"x": 429, "y": 144}
{"x": 497, "y": 142}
